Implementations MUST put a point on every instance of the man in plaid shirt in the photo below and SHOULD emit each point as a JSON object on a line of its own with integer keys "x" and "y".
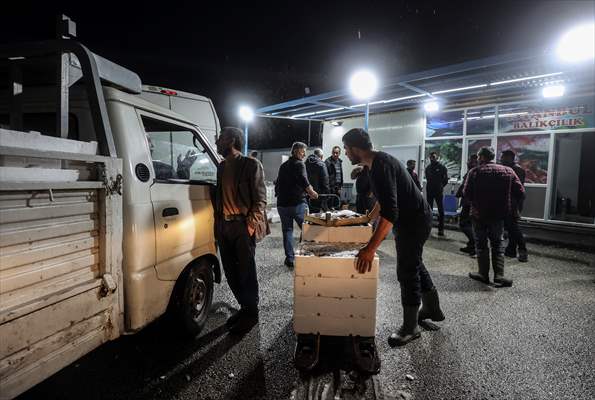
{"x": 493, "y": 190}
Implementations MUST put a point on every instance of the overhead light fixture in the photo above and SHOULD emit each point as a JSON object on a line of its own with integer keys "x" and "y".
{"x": 246, "y": 113}
{"x": 553, "y": 91}
{"x": 363, "y": 84}
{"x": 431, "y": 106}
{"x": 461, "y": 88}
{"x": 577, "y": 44}
{"x": 525, "y": 78}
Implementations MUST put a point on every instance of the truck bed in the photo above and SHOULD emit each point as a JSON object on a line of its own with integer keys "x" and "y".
{"x": 60, "y": 268}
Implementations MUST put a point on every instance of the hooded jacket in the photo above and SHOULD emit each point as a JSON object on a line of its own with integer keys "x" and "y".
{"x": 317, "y": 174}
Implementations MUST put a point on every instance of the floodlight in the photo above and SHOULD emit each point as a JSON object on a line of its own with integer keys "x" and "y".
{"x": 363, "y": 84}
{"x": 246, "y": 113}
{"x": 553, "y": 91}
{"x": 431, "y": 106}
{"x": 577, "y": 44}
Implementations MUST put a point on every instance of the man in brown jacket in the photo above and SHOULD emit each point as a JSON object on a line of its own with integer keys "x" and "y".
{"x": 240, "y": 221}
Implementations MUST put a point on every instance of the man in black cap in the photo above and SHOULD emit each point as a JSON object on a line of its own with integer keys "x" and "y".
{"x": 437, "y": 178}
{"x": 402, "y": 208}
{"x": 511, "y": 223}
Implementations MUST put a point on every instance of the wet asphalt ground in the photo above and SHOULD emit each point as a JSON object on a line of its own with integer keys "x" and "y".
{"x": 535, "y": 340}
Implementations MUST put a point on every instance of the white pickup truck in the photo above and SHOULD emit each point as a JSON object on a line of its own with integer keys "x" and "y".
{"x": 95, "y": 244}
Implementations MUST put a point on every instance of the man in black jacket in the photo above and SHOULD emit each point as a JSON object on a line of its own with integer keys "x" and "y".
{"x": 402, "y": 208}
{"x": 291, "y": 188}
{"x": 511, "y": 223}
{"x": 240, "y": 202}
{"x": 318, "y": 177}
{"x": 334, "y": 166}
{"x": 437, "y": 178}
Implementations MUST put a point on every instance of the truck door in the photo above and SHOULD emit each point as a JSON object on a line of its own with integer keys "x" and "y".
{"x": 185, "y": 171}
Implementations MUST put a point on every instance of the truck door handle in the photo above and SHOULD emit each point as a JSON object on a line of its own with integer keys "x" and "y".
{"x": 170, "y": 211}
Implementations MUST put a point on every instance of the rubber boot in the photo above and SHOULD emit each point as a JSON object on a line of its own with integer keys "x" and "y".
{"x": 483, "y": 262}
{"x": 430, "y": 306}
{"x": 499, "y": 279}
{"x": 523, "y": 255}
{"x": 409, "y": 330}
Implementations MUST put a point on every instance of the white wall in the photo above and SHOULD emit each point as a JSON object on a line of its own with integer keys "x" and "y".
{"x": 387, "y": 131}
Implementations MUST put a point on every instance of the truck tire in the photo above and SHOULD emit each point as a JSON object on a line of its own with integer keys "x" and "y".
{"x": 195, "y": 297}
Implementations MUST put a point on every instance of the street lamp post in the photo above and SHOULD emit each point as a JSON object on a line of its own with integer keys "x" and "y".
{"x": 363, "y": 85}
{"x": 246, "y": 114}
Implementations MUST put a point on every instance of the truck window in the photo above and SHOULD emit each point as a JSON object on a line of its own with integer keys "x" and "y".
{"x": 178, "y": 154}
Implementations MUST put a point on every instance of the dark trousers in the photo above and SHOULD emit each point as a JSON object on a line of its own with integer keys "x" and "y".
{"x": 466, "y": 225}
{"x": 411, "y": 272}
{"x": 437, "y": 198}
{"x": 492, "y": 231}
{"x": 515, "y": 235}
{"x": 287, "y": 216}
{"x": 237, "y": 248}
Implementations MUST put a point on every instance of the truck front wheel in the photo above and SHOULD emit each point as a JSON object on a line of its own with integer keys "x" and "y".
{"x": 196, "y": 296}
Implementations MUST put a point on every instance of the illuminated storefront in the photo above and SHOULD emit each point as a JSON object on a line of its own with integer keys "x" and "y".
{"x": 554, "y": 142}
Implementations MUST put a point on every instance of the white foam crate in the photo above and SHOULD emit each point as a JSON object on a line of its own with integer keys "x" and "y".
{"x": 331, "y": 297}
{"x": 37, "y": 141}
{"x": 336, "y": 234}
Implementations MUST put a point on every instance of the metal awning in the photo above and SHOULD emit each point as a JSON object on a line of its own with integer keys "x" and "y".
{"x": 488, "y": 80}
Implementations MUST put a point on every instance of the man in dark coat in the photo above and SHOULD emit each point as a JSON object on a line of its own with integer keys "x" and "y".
{"x": 334, "y": 166}
{"x": 465, "y": 217}
{"x": 318, "y": 177}
{"x": 411, "y": 170}
{"x": 437, "y": 178}
{"x": 240, "y": 221}
{"x": 403, "y": 209}
{"x": 492, "y": 189}
{"x": 511, "y": 224}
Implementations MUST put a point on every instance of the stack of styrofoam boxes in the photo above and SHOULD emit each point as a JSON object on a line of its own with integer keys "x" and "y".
{"x": 330, "y": 296}
{"x": 23, "y": 169}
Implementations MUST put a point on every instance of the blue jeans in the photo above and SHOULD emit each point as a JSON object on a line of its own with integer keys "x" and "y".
{"x": 288, "y": 215}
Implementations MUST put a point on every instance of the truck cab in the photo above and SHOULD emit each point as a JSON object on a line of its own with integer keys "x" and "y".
{"x": 126, "y": 235}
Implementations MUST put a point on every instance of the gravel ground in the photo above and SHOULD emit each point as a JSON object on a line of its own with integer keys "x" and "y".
{"x": 532, "y": 341}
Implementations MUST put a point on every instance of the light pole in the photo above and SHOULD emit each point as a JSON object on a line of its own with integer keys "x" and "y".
{"x": 246, "y": 114}
{"x": 363, "y": 85}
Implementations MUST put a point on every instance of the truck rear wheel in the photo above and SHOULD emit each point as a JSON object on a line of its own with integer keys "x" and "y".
{"x": 195, "y": 298}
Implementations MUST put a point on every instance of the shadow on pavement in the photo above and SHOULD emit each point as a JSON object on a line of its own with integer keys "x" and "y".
{"x": 137, "y": 366}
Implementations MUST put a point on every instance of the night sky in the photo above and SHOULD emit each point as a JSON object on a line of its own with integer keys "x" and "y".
{"x": 262, "y": 53}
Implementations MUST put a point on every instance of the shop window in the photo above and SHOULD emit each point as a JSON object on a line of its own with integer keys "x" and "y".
{"x": 177, "y": 153}
{"x": 473, "y": 145}
{"x": 573, "y": 194}
{"x": 481, "y": 121}
{"x": 444, "y": 124}
{"x": 534, "y": 203}
{"x": 532, "y": 152}
{"x": 546, "y": 115}
{"x": 450, "y": 152}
